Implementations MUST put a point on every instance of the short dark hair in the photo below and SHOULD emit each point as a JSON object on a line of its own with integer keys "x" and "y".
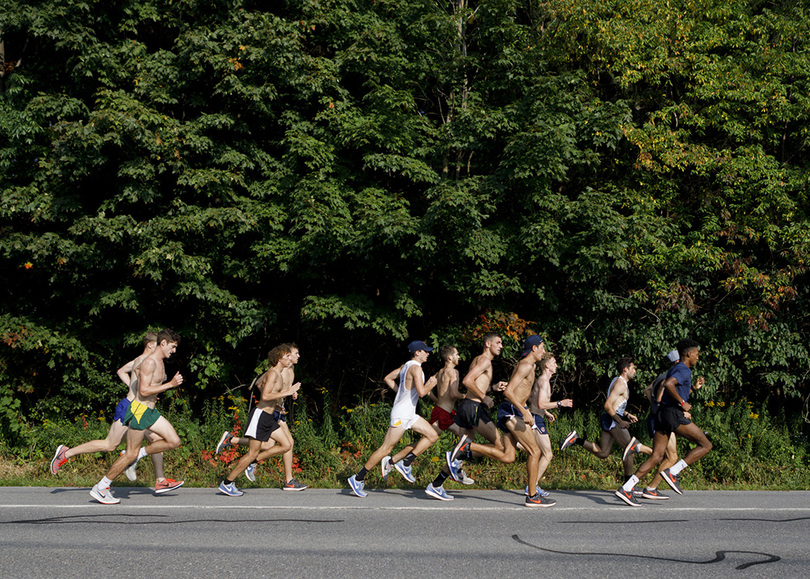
{"x": 149, "y": 337}
{"x": 623, "y": 363}
{"x": 277, "y": 353}
{"x": 686, "y": 345}
{"x": 489, "y": 336}
{"x": 168, "y": 335}
{"x": 446, "y": 351}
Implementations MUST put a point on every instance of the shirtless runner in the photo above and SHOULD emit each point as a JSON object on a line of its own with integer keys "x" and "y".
{"x": 540, "y": 403}
{"x": 516, "y": 416}
{"x": 128, "y": 373}
{"x": 262, "y": 424}
{"x": 142, "y": 415}
{"x": 289, "y": 359}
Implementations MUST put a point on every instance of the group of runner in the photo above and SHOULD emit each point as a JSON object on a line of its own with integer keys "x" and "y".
{"x": 520, "y": 420}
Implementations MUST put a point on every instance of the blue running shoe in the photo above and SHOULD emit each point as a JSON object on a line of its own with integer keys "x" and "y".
{"x": 357, "y": 487}
{"x": 230, "y": 489}
{"x": 540, "y": 492}
{"x": 438, "y": 493}
{"x": 453, "y": 466}
{"x": 250, "y": 472}
{"x": 405, "y": 471}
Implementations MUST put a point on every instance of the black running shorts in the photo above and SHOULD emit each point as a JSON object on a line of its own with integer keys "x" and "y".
{"x": 669, "y": 418}
{"x": 469, "y": 413}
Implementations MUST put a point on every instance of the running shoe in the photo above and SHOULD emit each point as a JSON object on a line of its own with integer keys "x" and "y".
{"x": 538, "y": 501}
{"x": 294, "y": 485}
{"x": 461, "y": 447}
{"x": 386, "y": 466}
{"x": 166, "y": 485}
{"x": 357, "y": 487}
{"x": 461, "y": 476}
{"x": 627, "y": 497}
{"x": 453, "y": 466}
{"x": 224, "y": 442}
{"x": 637, "y": 492}
{"x": 633, "y": 447}
{"x": 130, "y": 472}
{"x": 540, "y": 492}
{"x": 250, "y": 472}
{"x": 654, "y": 494}
{"x": 405, "y": 471}
{"x": 230, "y": 489}
{"x": 105, "y": 498}
{"x": 438, "y": 493}
{"x": 59, "y": 458}
{"x": 569, "y": 440}
{"x": 465, "y": 480}
{"x": 672, "y": 481}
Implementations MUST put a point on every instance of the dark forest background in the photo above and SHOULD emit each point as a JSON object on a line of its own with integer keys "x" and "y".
{"x": 351, "y": 175}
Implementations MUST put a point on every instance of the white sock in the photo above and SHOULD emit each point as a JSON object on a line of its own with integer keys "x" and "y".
{"x": 104, "y": 484}
{"x": 679, "y": 466}
{"x": 631, "y": 482}
{"x": 141, "y": 453}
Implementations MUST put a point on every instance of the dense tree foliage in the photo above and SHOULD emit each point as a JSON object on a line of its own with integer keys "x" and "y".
{"x": 351, "y": 174}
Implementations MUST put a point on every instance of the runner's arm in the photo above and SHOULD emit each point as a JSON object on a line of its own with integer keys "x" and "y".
{"x": 125, "y": 372}
{"x": 390, "y": 379}
{"x": 470, "y": 380}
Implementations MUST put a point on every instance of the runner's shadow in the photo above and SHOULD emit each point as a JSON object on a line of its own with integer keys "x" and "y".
{"x": 459, "y": 495}
{"x": 598, "y": 497}
{"x": 119, "y": 492}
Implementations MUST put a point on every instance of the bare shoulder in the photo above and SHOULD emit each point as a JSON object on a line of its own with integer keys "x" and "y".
{"x": 149, "y": 364}
{"x": 619, "y": 386}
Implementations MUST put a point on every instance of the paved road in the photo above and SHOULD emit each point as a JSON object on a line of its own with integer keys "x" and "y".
{"x": 61, "y": 532}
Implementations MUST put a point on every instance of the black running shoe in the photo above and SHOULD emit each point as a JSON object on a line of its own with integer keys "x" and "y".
{"x": 672, "y": 481}
{"x": 462, "y": 446}
{"x": 632, "y": 448}
{"x": 569, "y": 440}
{"x": 654, "y": 495}
{"x": 538, "y": 501}
{"x": 627, "y": 497}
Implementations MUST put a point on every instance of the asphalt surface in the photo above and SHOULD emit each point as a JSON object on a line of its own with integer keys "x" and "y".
{"x": 62, "y": 532}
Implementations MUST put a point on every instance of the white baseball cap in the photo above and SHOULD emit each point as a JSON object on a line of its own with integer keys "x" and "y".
{"x": 674, "y": 356}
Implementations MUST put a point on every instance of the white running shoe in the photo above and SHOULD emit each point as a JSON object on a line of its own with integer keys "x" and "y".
{"x": 105, "y": 498}
{"x": 386, "y": 467}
